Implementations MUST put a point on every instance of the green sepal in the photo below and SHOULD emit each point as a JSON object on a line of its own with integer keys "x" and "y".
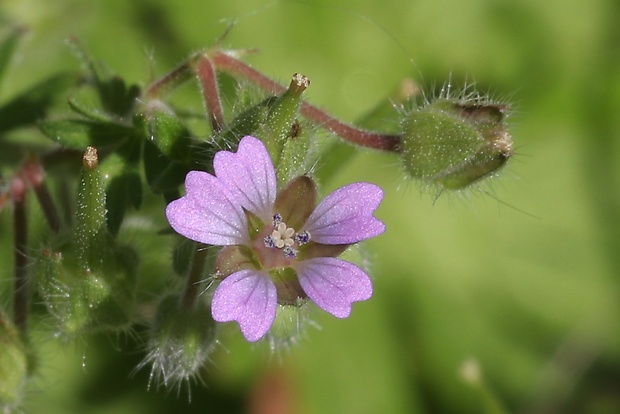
{"x": 313, "y": 250}
{"x": 287, "y": 285}
{"x": 255, "y": 224}
{"x": 247, "y": 122}
{"x": 231, "y": 259}
{"x": 296, "y": 201}
{"x": 296, "y": 153}
{"x": 79, "y": 134}
{"x": 163, "y": 174}
{"x": 279, "y": 125}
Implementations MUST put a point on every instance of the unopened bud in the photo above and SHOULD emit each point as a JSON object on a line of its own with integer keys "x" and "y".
{"x": 15, "y": 366}
{"x": 455, "y": 144}
{"x": 181, "y": 342}
{"x": 282, "y": 117}
{"x": 91, "y": 233}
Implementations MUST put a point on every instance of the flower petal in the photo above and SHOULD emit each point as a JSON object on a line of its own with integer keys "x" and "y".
{"x": 249, "y": 175}
{"x": 248, "y": 297}
{"x": 345, "y": 216}
{"x": 207, "y": 212}
{"x": 333, "y": 284}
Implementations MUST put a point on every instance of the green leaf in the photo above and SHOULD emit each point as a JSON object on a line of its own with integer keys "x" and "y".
{"x": 79, "y": 134}
{"x": 8, "y": 46}
{"x": 123, "y": 191}
{"x": 162, "y": 174}
{"x": 115, "y": 96}
{"x": 32, "y": 105}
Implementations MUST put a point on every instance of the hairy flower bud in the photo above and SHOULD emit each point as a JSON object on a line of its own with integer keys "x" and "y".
{"x": 275, "y": 121}
{"x": 455, "y": 143}
{"x": 181, "y": 342}
{"x": 15, "y": 365}
{"x": 282, "y": 116}
{"x": 88, "y": 281}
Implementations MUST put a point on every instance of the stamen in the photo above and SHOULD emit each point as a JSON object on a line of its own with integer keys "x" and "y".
{"x": 302, "y": 237}
{"x": 284, "y": 237}
{"x": 269, "y": 241}
{"x": 289, "y": 252}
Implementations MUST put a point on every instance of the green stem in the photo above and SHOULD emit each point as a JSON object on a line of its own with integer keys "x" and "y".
{"x": 195, "y": 276}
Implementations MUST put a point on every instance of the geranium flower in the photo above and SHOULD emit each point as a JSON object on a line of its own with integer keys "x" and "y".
{"x": 279, "y": 247}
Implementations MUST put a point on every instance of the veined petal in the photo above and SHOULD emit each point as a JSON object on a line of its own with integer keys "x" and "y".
{"x": 333, "y": 284}
{"x": 248, "y": 297}
{"x": 249, "y": 175}
{"x": 345, "y": 216}
{"x": 207, "y": 213}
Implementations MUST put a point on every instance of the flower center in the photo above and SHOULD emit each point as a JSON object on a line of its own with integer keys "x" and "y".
{"x": 285, "y": 238}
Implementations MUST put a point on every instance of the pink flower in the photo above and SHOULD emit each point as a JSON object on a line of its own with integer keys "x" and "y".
{"x": 280, "y": 247}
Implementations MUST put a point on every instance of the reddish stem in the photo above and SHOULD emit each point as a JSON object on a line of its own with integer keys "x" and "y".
{"x": 210, "y": 92}
{"x": 176, "y": 76}
{"x": 227, "y": 62}
{"x": 34, "y": 175}
{"x": 20, "y": 296}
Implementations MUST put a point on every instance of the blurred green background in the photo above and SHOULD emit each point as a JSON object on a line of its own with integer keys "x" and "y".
{"x": 522, "y": 277}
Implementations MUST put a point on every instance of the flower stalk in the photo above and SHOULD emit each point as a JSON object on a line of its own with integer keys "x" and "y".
{"x": 192, "y": 290}
{"x": 227, "y": 62}
{"x": 20, "y": 240}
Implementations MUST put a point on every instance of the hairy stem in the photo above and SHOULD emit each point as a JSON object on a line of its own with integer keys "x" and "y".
{"x": 20, "y": 294}
{"x": 173, "y": 78}
{"x": 48, "y": 206}
{"x": 376, "y": 140}
{"x": 210, "y": 92}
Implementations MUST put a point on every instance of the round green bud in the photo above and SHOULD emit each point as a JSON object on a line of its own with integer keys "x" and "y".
{"x": 455, "y": 144}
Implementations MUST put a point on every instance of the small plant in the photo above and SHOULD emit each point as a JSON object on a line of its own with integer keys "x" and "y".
{"x": 246, "y": 236}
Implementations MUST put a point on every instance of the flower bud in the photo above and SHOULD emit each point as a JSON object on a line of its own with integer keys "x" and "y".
{"x": 454, "y": 143}
{"x": 289, "y": 325}
{"x": 282, "y": 117}
{"x": 91, "y": 233}
{"x": 88, "y": 282}
{"x": 82, "y": 302}
{"x": 15, "y": 365}
{"x": 181, "y": 341}
{"x": 274, "y": 120}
